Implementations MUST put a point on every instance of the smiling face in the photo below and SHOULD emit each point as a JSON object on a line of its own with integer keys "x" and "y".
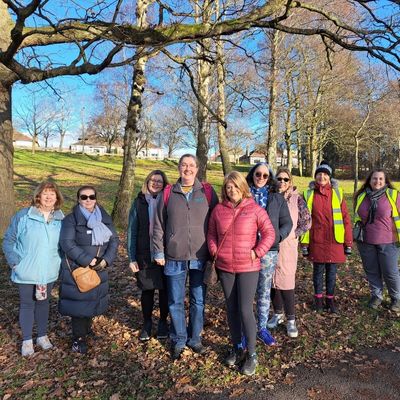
{"x": 284, "y": 182}
{"x": 87, "y": 199}
{"x": 188, "y": 170}
{"x": 155, "y": 184}
{"x": 322, "y": 178}
{"x": 47, "y": 199}
{"x": 260, "y": 176}
{"x": 377, "y": 180}
{"x": 233, "y": 192}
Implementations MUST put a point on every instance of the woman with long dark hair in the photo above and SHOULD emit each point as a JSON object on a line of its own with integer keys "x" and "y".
{"x": 376, "y": 205}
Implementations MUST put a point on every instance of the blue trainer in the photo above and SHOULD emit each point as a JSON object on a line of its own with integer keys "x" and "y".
{"x": 244, "y": 342}
{"x": 265, "y": 336}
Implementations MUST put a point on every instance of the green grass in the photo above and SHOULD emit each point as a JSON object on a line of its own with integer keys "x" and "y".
{"x": 119, "y": 363}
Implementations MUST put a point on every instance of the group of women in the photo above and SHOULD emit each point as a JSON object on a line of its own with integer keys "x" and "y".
{"x": 254, "y": 233}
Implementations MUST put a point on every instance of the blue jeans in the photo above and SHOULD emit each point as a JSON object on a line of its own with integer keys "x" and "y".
{"x": 330, "y": 278}
{"x": 176, "y": 285}
{"x": 268, "y": 265}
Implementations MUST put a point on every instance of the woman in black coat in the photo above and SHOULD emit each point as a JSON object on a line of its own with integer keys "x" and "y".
{"x": 149, "y": 275}
{"x": 87, "y": 238}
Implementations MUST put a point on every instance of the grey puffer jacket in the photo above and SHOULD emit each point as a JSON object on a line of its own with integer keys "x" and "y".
{"x": 180, "y": 227}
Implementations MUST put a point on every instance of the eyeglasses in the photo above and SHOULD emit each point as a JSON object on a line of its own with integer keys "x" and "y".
{"x": 283, "y": 179}
{"x": 85, "y": 197}
{"x": 156, "y": 181}
{"x": 259, "y": 175}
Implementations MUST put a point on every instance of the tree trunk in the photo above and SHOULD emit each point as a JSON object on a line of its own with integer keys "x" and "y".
{"x": 7, "y": 198}
{"x": 203, "y": 115}
{"x": 356, "y": 154}
{"x": 60, "y": 146}
{"x": 126, "y": 187}
{"x": 272, "y": 108}
{"x": 223, "y": 148}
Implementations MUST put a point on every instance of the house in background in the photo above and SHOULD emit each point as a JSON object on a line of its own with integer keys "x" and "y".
{"x": 22, "y": 141}
{"x": 253, "y": 157}
{"x": 233, "y": 157}
{"x": 92, "y": 145}
{"x": 151, "y": 152}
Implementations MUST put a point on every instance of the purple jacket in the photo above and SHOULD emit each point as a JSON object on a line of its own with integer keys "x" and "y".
{"x": 382, "y": 231}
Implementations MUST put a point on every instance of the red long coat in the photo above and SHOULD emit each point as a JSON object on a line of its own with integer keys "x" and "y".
{"x": 235, "y": 253}
{"x": 323, "y": 247}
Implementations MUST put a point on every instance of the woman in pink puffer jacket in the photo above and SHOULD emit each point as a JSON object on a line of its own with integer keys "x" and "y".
{"x": 249, "y": 235}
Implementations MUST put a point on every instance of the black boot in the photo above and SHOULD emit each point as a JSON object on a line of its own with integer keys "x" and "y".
{"x": 330, "y": 305}
{"x": 145, "y": 334}
{"x": 319, "y": 304}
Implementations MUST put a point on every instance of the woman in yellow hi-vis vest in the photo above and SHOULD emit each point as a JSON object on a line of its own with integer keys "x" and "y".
{"x": 376, "y": 205}
{"x": 330, "y": 238}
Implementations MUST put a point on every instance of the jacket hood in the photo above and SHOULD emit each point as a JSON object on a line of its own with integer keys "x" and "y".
{"x": 34, "y": 213}
{"x": 243, "y": 203}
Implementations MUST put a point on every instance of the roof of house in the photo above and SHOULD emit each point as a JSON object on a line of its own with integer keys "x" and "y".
{"x": 21, "y": 137}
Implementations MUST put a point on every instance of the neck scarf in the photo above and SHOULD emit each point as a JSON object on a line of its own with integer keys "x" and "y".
{"x": 100, "y": 233}
{"x": 152, "y": 202}
{"x": 260, "y": 195}
{"x": 374, "y": 196}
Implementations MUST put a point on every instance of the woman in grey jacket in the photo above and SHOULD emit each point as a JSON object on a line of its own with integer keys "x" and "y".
{"x": 88, "y": 238}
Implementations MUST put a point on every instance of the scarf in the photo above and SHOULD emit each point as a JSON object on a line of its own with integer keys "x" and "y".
{"x": 260, "y": 195}
{"x": 100, "y": 233}
{"x": 152, "y": 202}
{"x": 374, "y": 196}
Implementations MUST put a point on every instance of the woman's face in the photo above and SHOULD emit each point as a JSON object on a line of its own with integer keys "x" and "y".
{"x": 155, "y": 184}
{"x": 322, "y": 178}
{"x": 284, "y": 182}
{"x": 233, "y": 192}
{"x": 260, "y": 176}
{"x": 377, "y": 180}
{"x": 47, "y": 199}
{"x": 87, "y": 199}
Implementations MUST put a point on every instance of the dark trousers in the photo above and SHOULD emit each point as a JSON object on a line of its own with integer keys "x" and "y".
{"x": 330, "y": 278}
{"x": 147, "y": 301}
{"x": 81, "y": 326}
{"x": 32, "y": 310}
{"x": 283, "y": 300}
{"x": 239, "y": 291}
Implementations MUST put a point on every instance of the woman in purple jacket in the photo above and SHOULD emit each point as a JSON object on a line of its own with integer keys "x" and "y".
{"x": 376, "y": 205}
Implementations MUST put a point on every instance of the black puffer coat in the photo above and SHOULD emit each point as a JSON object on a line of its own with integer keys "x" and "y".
{"x": 76, "y": 243}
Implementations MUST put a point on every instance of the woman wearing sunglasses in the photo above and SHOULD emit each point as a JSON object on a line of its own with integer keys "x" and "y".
{"x": 88, "y": 238}
{"x": 263, "y": 188}
{"x": 282, "y": 292}
{"x": 149, "y": 275}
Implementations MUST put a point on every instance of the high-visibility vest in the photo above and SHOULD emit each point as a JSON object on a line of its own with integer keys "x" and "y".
{"x": 338, "y": 225}
{"x": 391, "y": 194}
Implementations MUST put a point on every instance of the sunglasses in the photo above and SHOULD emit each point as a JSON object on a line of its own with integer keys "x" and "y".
{"x": 259, "y": 175}
{"x": 156, "y": 181}
{"x": 85, "y": 197}
{"x": 283, "y": 179}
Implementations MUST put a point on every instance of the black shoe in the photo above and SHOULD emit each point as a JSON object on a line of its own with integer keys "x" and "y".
{"x": 199, "y": 348}
{"x": 79, "y": 346}
{"x": 162, "y": 329}
{"x": 145, "y": 333}
{"x": 249, "y": 366}
{"x": 176, "y": 352}
{"x": 235, "y": 357}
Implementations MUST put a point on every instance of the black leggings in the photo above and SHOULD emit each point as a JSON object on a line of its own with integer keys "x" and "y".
{"x": 81, "y": 327}
{"x": 239, "y": 291}
{"x": 147, "y": 300}
{"x": 283, "y": 300}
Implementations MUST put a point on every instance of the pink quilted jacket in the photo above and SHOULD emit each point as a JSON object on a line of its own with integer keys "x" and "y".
{"x": 235, "y": 254}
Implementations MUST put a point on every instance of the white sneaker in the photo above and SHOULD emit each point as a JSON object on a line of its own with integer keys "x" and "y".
{"x": 275, "y": 320}
{"x": 44, "y": 342}
{"x": 27, "y": 348}
{"x": 291, "y": 329}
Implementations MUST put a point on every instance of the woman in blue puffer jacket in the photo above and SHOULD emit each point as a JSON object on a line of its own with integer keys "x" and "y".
{"x": 30, "y": 245}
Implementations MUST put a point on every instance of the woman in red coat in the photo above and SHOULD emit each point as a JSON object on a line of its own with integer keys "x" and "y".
{"x": 241, "y": 232}
{"x": 330, "y": 237}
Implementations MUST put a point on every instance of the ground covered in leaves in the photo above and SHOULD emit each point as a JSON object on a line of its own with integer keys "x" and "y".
{"x": 119, "y": 366}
